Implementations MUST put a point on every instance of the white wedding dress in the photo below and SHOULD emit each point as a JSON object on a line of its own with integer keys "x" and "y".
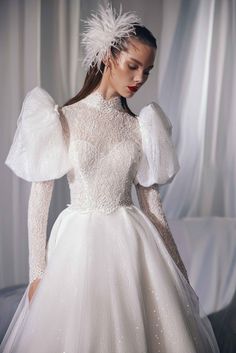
{"x": 112, "y": 280}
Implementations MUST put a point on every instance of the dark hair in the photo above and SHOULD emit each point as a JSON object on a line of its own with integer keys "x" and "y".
{"x": 94, "y": 76}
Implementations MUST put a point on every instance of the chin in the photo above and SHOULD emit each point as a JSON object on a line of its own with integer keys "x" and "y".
{"x": 129, "y": 93}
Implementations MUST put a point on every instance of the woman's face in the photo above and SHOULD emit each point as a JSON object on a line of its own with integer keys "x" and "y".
{"x": 130, "y": 68}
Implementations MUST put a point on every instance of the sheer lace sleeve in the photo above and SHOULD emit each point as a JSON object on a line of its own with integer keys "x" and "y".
{"x": 38, "y": 209}
{"x": 150, "y": 202}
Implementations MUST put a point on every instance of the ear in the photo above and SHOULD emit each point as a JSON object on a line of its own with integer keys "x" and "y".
{"x": 106, "y": 61}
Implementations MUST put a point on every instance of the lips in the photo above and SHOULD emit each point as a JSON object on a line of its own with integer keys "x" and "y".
{"x": 133, "y": 88}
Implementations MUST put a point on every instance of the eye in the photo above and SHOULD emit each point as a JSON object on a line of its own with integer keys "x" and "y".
{"x": 132, "y": 67}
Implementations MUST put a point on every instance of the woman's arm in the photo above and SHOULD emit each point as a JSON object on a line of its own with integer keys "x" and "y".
{"x": 150, "y": 203}
{"x": 38, "y": 209}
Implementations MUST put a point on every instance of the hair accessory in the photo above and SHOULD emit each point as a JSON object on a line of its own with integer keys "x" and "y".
{"x": 103, "y": 30}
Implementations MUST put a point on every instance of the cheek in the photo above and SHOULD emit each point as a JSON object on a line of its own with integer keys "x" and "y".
{"x": 123, "y": 69}
{"x": 124, "y": 73}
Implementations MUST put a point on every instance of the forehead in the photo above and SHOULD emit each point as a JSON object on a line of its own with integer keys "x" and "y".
{"x": 139, "y": 51}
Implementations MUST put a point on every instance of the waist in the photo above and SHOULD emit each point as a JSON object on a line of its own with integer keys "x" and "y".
{"x": 103, "y": 210}
{"x": 99, "y": 199}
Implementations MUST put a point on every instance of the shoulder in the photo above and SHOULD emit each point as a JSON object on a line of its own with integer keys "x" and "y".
{"x": 68, "y": 112}
{"x": 159, "y": 163}
{"x": 152, "y": 114}
{"x": 70, "y": 118}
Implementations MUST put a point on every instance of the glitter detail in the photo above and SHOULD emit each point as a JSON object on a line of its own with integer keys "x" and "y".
{"x": 157, "y": 310}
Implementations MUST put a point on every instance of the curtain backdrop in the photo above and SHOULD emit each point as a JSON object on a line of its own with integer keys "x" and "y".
{"x": 194, "y": 81}
{"x": 39, "y": 46}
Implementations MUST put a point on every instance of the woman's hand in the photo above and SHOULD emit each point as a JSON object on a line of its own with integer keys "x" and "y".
{"x": 33, "y": 287}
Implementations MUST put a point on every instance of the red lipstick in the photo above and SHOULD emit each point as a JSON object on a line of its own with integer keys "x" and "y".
{"x": 133, "y": 88}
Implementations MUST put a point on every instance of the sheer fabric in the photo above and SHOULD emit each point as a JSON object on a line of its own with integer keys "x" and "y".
{"x": 106, "y": 260}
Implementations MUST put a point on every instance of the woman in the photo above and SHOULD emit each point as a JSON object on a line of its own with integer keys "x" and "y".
{"x": 110, "y": 278}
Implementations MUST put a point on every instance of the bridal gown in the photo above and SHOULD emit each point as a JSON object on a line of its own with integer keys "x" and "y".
{"x": 112, "y": 280}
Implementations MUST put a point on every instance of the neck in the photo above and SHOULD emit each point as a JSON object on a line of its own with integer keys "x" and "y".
{"x": 107, "y": 92}
{"x": 97, "y": 100}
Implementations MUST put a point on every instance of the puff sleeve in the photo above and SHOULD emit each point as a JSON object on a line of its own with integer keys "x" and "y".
{"x": 159, "y": 162}
{"x": 39, "y": 151}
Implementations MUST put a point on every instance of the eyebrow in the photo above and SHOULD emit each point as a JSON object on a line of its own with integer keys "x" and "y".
{"x": 138, "y": 62}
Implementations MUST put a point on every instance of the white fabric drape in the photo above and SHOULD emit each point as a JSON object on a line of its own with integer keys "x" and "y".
{"x": 39, "y": 46}
{"x": 19, "y": 67}
{"x": 197, "y": 83}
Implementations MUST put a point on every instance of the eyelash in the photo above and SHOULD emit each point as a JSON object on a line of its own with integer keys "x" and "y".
{"x": 134, "y": 68}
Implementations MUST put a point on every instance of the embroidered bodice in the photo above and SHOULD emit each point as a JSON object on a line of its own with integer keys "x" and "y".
{"x": 102, "y": 150}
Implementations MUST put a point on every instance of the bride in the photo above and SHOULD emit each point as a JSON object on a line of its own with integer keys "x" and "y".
{"x": 110, "y": 279}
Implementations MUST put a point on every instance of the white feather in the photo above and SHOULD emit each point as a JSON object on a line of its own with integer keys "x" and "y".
{"x": 103, "y": 30}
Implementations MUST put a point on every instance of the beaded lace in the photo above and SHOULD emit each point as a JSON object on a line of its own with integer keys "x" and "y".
{"x": 104, "y": 147}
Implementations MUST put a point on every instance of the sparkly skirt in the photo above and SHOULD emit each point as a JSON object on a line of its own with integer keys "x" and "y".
{"x": 110, "y": 286}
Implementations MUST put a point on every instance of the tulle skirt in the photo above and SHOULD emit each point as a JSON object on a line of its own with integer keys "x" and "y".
{"x": 110, "y": 286}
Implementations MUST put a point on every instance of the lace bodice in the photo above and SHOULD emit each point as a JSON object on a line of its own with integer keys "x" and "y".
{"x": 104, "y": 150}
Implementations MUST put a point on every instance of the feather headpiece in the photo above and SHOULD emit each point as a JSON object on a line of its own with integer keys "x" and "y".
{"x": 103, "y": 30}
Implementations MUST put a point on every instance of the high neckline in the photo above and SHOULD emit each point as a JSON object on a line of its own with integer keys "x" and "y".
{"x": 96, "y": 99}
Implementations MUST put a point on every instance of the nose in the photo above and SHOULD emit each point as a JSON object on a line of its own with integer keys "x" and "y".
{"x": 139, "y": 78}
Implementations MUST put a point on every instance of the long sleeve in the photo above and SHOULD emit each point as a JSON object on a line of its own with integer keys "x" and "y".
{"x": 39, "y": 153}
{"x": 38, "y": 209}
{"x": 150, "y": 203}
